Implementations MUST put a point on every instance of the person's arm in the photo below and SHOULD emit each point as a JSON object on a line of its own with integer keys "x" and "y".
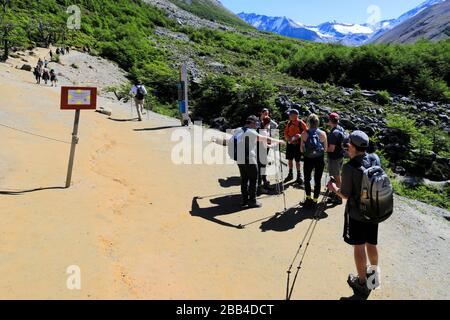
{"x": 346, "y": 185}
{"x": 132, "y": 91}
{"x": 304, "y": 136}
{"x": 144, "y": 90}
{"x": 325, "y": 140}
{"x": 304, "y": 126}
{"x": 266, "y": 139}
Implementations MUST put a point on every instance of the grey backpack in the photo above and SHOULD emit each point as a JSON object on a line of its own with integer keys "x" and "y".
{"x": 376, "y": 202}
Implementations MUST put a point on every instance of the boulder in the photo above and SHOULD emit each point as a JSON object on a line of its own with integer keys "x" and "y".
{"x": 26, "y": 67}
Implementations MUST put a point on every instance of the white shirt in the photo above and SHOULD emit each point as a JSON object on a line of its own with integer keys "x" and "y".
{"x": 134, "y": 90}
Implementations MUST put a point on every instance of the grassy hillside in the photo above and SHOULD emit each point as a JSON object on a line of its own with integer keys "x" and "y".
{"x": 247, "y": 70}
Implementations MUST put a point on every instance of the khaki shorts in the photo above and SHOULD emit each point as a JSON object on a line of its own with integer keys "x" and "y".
{"x": 335, "y": 167}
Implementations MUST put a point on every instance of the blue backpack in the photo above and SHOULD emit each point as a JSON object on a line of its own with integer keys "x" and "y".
{"x": 314, "y": 148}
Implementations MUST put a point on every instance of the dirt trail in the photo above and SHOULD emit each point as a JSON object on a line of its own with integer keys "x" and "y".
{"x": 133, "y": 222}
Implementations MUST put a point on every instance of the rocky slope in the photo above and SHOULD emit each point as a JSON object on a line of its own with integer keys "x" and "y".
{"x": 433, "y": 23}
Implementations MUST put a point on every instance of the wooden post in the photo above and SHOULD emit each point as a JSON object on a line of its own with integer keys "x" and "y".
{"x": 73, "y": 147}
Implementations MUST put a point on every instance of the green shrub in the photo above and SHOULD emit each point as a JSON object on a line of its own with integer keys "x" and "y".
{"x": 383, "y": 97}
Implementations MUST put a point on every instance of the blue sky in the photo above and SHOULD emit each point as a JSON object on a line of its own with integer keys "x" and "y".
{"x": 313, "y": 12}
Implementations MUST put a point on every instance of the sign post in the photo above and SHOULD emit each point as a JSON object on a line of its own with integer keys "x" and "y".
{"x": 183, "y": 101}
{"x": 76, "y": 98}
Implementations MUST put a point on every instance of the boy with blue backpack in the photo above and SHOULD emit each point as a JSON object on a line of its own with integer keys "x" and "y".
{"x": 313, "y": 146}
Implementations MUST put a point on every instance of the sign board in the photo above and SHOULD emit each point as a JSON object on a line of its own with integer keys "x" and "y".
{"x": 78, "y": 98}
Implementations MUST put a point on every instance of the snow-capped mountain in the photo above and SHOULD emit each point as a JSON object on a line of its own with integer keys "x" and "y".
{"x": 348, "y": 34}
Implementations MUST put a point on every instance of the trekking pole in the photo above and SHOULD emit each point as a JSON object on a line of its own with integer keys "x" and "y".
{"x": 277, "y": 173}
{"x": 308, "y": 236}
{"x": 282, "y": 181}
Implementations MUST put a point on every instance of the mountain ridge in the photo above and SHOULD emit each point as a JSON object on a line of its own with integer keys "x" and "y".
{"x": 333, "y": 31}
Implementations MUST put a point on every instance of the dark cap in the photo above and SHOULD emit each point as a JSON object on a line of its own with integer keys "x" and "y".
{"x": 359, "y": 139}
{"x": 264, "y": 110}
{"x": 252, "y": 119}
{"x": 294, "y": 111}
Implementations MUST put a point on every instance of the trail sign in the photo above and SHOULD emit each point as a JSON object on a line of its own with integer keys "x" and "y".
{"x": 183, "y": 99}
{"x": 76, "y": 98}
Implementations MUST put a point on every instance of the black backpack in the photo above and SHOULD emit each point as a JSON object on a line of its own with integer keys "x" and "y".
{"x": 140, "y": 94}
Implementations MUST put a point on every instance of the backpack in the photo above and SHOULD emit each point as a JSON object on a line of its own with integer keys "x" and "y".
{"x": 339, "y": 150}
{"x": 376, "y": 201}
{"x": 234, "y": 142}
{"x": 314, "y": 148}
{"x": 140, "y": 94}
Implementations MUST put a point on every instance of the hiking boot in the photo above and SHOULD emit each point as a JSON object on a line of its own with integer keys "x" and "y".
{"x": 289, "y": 177}
{"x": 308, "y": 203}
{"x": 299, "y": 180}
{"x": 262, "y": 190}
{"x": 254, "y": 204}
{"x": 267, "y": 186}
{"x": 353, "y": 282}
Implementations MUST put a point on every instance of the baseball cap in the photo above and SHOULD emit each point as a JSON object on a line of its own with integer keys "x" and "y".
{"x": 264, "y": 110}
{"x": 294, "y": 111}
{"x": 252, "y": 119}
{"x": 334, "y": 117}
{"x": 359, "y": 139}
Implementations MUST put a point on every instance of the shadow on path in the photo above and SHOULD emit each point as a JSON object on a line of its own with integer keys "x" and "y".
{"x": 225, "y": 205}
{"x": 157, "y": 128}
{"x": 289, "y": 219}
{"x": 20, "y": 192}
{"x": 124, "y": 120}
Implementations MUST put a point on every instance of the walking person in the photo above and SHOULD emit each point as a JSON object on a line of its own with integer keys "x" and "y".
{"x": 40, "y": 63}
{"x": 38, "y": 73}
{"x": 138, "y": 92}
{"x": 358, "y": 232}
{"x": 335, "y": 152}
{"x": 51, "y": 54}
{"x": 313, "y": 146}
{"x": 45, "y": 63}
{"x": 53, "y": 78}
{"x": 45, "y": 75}
{"x": 243, "y": 149}
{"x": 292, "y": 134}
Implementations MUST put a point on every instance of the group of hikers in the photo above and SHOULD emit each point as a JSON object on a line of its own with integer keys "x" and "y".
{"x": 42, "y": 72}
{"x": 304, "y": 139}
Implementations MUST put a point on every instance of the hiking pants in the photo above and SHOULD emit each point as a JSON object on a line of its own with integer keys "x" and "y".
{"x": 249, "y": 177}
{"x": 318, "y": 165}
{"x": 139, "y": 107}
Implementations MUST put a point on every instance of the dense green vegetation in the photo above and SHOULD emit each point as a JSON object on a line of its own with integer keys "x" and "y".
{"x": 421, "y": 69}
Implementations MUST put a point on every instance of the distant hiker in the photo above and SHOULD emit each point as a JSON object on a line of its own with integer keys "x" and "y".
{"x": 63, "y": 51}
{"x": 313, "y": 146}
{"x": 38, "y": 73}
{"x": 139, "y": 93}
{"x": 359, "y": 231}
{"x": 67, "y": 49}
{"x": 51, "y": 54}
{"x": 53, "y": 78}
{"x": 242, "y": 147}
{"x": 58, "y": 51}
{"x": 45, "y": 75}
{"x": 335, "y": 152}
{"x": 40, "y": 63}
{"x": 45, "y": 63}
{"x": 292, "y": 133}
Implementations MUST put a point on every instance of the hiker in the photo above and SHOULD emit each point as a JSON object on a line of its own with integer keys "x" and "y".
{"x": 264, "y": 126}
{"x": 63, "y": 51}
{"x": 359, "y": 233}
{"x": 58, "y": 51}
{"x": 335, "y": 152}
{"x": 67, "y": 49}
{"x": 45, "y": 75}
{"x": 313, "y": 146}
{"x": 138, "y": 92}
{"x": 45, "y": 63}
{"x": 40, "y": 63}
{"x": 53, "y": 78}
{"x": 292, "y": 134}
{"x": 51, "y": 54}
{"x": 243, "y": 149}
{"x": 38, "y": 73}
